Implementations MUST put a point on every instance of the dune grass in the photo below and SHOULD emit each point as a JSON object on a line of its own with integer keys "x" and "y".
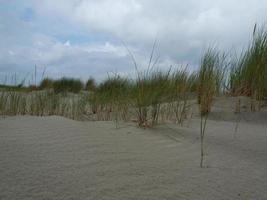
{"x": 65, "y": 85}
{"x": 90, "y": 84}
{"x": 46, "y": 83}
{"x": 181, "y": 85}
{"x": 143, "y": 98}
{"x": 149, "y": 91}
{"x": 111, "y": 98}
{"x": 42, "y": 103}
{"x": 248, "y": 76}
{"x": 210, "y": 76}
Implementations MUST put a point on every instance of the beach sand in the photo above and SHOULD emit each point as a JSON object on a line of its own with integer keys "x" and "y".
{"x": 53, "y": 158}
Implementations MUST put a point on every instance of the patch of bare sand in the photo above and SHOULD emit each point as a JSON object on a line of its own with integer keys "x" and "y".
{"x": 57, "y": 158}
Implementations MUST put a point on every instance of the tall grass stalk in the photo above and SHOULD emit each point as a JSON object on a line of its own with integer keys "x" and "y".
{"x": 209, "y": 83}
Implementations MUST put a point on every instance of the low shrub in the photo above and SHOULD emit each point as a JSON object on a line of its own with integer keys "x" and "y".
{"x": 64, "y": 85}
{"x": 46, "y": 83}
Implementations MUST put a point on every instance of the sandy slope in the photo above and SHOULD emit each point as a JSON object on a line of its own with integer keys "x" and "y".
{"x": 56, "y": 158}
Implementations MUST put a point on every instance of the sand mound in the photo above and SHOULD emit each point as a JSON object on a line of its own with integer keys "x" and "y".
{"x": 57, "y": 158}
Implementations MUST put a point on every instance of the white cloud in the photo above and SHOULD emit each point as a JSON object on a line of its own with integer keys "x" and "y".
{"x": 65, "y": 59}
{"x": 11, "y": 52}
{"x": 183, "y": 29}
{"x": 67, "y": 43}
{"x": 145, "y": 17}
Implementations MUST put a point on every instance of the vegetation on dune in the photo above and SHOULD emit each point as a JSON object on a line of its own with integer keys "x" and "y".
{"x": 181, "y": 85}
{"x": 13, "y": 88}
{"x": 42, "y": 103}
{"x": 46, "y": 83}
{"x": 65, "y": 85}
{"x": 210, "y": 77}
{"x": 248, "y": 75}
{"x": 90, "y": 85}
{"x": 148, "y": 93}
{"x": 111, "y": 97}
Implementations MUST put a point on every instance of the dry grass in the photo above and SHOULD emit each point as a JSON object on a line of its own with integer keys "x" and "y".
{"x": 42, "y": 103}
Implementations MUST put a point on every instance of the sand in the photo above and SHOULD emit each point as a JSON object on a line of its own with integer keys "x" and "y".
{"x": 53, "y": 158}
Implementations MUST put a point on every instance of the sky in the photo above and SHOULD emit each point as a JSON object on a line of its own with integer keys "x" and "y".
{"x": 88, "y": 38}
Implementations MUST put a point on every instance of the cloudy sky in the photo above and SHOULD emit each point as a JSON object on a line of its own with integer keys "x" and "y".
{"x": 83, "y": 38}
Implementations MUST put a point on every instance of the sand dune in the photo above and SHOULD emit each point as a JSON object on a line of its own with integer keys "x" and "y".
{"x": 56, "y": 158}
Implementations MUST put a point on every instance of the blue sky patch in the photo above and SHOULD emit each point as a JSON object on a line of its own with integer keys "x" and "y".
{"x": 27, "y": 15}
